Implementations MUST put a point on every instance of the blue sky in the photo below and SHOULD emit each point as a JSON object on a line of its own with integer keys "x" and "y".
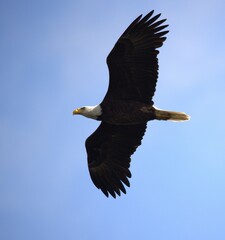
{"x": 52, "y": 57}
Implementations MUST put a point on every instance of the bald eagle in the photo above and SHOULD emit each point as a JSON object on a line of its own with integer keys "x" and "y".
{"x": 127, "y": 105}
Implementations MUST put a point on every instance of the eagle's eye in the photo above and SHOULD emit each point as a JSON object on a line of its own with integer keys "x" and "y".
{"x": 82, "y": 108}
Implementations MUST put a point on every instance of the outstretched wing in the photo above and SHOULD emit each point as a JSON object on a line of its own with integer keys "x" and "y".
{"x": 109, "y": 149}
{"x": 133, "y": 63}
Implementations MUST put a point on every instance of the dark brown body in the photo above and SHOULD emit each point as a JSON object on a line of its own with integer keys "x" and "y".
{"x": 127, "y": 112}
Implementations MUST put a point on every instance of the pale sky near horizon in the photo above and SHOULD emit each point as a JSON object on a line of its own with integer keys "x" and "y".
{"x": 52, "y": 57}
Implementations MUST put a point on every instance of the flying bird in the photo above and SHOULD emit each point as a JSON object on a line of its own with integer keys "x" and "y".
{"x": 127, "y": 105}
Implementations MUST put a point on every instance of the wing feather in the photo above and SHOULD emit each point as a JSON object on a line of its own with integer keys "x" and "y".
{"x": 109, "y": 149}
{"x": 133, "y": 63}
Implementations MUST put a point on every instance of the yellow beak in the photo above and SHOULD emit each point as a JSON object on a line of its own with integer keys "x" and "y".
{"x": 76, "y": 111}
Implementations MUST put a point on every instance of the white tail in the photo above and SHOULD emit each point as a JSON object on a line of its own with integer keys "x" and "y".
{"x": 171, "y": 115}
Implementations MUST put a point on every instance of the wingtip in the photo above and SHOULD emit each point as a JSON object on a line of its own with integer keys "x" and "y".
{"x": 105, "y": 192}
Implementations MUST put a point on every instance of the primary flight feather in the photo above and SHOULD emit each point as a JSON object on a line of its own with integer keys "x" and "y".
{"x": 127, "y": 105}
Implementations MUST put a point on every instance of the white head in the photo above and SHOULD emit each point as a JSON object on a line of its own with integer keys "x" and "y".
{"x": 89, "y": 111}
